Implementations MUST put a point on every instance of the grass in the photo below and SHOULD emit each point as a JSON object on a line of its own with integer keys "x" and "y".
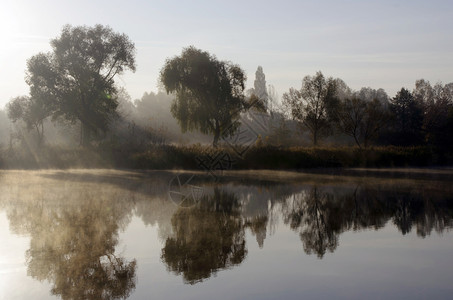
{"x": 198, "y": 157}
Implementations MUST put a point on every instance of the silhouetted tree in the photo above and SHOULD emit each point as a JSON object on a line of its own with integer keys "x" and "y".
{"x": 260, "y": 87}
{"x": 369, "y": 94}
{"x": 314, "y": 105}
{"x": 436, "y": 102}
{"x": 209, "y": 93}
{"x": 362, "y": 119}
{"x": 407, "y": 119}
{"x": 77, "y": 77}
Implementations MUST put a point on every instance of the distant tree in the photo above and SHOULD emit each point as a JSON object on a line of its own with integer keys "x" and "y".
{"x": 369, "y": 94}
{"x": 209, "y": 93}
{"x": 314, "y": 105}
{"x": 260, "y": 87}
{"x": 436, "y": 102}
{"x": 351, "y": 117}
{"x": 407, "y": 119}
{"x": 31, "y": 111}
{"x": 257, "y": 104}
{"x": 77, "y": 77}
{"x": 362, "y": 119}
{"x": 273, "y": 104}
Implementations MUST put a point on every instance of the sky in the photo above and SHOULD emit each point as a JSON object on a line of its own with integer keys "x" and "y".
{"x": 378, "y": 44}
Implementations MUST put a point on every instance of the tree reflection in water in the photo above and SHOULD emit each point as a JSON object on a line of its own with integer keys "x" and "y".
{"x": 310, "y": 213}
{"x": 74, "y": 224}
{"x": 208, "y": 237}
{"x": 74, "y": 232}
{"x": 321, "y": 214}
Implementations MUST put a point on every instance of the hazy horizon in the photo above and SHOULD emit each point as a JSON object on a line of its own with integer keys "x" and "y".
{"x": 386, "y": 45}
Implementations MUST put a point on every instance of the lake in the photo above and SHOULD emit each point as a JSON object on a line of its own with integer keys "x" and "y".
{"x": 344, "y": 234}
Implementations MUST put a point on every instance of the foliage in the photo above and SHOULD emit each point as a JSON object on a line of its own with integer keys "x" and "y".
{"x": 407, "y": 119}
{"x": 362, "y": 119}
{"x": 436, "y": 102}
{"x": 77, "y": 78}
{"x": 209, "y": 93}
{"x": 314, "y": 104}
{"x": 260, "y": 90}
{"x": 30, "y": 110}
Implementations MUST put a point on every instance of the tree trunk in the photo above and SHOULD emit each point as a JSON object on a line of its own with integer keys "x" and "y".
{"x": 40, "y": 133}
{"x": 357, "y": 141}
{"x": 84, "y": 135}
{"x": 216, "y": 134}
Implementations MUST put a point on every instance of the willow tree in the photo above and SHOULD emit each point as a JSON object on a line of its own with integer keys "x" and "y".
{"x": 76, "y": 78}
{"x": 209, "y": 94}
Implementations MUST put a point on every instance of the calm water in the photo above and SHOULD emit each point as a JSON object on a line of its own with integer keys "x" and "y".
{"x": 97, "y": 234}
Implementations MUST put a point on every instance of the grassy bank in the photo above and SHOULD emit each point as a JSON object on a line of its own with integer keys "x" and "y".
{"x": 202, "y": 157}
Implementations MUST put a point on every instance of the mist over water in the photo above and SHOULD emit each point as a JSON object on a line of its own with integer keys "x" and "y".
{"x": 116, "y": 234}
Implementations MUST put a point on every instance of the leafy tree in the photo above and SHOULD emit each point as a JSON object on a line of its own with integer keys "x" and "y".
{"x": 362, "y": 119}
{"x": 77, "y": 77}
{"x": 272, "y": 104}
{"x": 209, "y": 93}
{"x": 369, "y": 94}
{"x": 351, "y": 116}
{"x": 407, "y": 119}
{"x": 260, "y": 87}
{"x": 436, "y": 102}
{"x": 30, "y": 110}
{"x": 314, "y": 104}
{"x": 256, "y": 104}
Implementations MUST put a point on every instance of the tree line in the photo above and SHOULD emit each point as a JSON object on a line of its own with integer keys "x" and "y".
{"x": 75, "y": 84}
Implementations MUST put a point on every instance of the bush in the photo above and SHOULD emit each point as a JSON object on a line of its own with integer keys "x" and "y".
{"x": 198, "y": 157}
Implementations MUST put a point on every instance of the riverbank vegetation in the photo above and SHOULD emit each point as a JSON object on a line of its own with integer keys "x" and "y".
{"x": 204, "y": 117}
{"x": 209, "y": 159}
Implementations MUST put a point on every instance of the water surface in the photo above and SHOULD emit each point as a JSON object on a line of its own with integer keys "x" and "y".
{"x": 101, "y": 234}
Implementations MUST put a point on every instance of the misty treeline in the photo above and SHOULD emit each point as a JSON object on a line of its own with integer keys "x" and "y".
{"x": 74, "y": 101}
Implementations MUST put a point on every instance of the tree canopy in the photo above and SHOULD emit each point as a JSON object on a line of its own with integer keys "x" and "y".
{"x": 407, "y": 119}
{"x": 209, "y": 94}
{"x": 314, "y": 104}
{"x": 30, "y": 110}
{"x": 76, "y": 79}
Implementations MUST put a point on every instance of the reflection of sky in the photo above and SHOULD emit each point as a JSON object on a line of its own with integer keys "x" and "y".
{"x": 377, "y": 263}
{"x": 382, "y": 44}
{"x": 14, "y": 282}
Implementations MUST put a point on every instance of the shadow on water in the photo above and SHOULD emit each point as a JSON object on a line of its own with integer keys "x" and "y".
{"x": 74, "y": 218}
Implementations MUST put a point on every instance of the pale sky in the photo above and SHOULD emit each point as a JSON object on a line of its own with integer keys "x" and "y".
{"x": 378, "y": 44}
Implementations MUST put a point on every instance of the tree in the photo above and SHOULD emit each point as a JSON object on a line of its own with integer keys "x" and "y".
{"x": 368, "y": 94}
{"x": 408, "y": 119}
{"x": 209, "y": 94}
{"x": 362, "y": 119}
{"x": 351, "y": 118}
{"x": 30, "y": 110}
{"x": 77, "y": 78}
{"x": 314, "y": 105}
{"x": 272, "y": 102}
{"x": 436, "y": 102}
{"x": 260, "y": 87}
